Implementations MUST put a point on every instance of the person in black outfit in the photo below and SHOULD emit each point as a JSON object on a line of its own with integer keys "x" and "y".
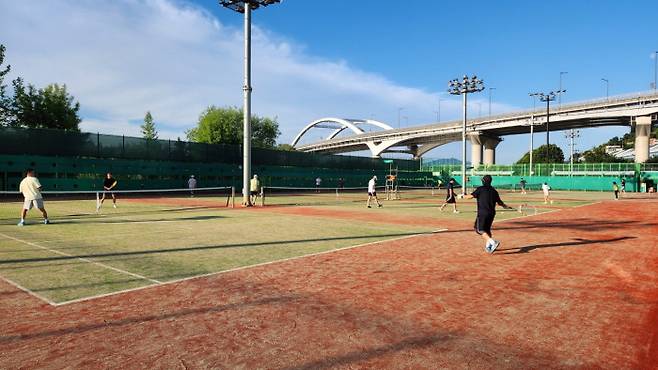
{"x": 109, "y": 185}
{"x": 450, "y": 196}
{"x": 487, "y": 198}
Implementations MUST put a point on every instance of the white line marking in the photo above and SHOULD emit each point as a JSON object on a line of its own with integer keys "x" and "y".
{"x": 82, "y": 259}
{"x": 247, "y": 267}
{"x": 33, "y": 294}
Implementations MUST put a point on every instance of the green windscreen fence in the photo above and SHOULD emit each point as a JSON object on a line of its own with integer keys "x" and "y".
{"x": 90, "y": 145}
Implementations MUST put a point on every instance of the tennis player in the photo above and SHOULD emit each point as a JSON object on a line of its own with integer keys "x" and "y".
{"x": 450, "y": 196}
{"x": 31, "y": 189}
{"x": 191, "y": 184}
{"x": 615, "y": 189}
{"x": 547, "y": 193}
{"x": 254, "y": 189}
{"x": 372, "y": 192}
{"x": 523, "y": 183}
{"x": 487, "y": 198}
{"x": 623, "y": 186}
{"x": 109, "y": 184}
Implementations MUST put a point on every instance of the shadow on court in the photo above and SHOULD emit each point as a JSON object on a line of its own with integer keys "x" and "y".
{"x": 208, "y": 247}
{"x": 576, "y": 243}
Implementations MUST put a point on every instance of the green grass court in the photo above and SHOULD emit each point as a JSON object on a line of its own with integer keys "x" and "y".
{"x": 145, "y": 242}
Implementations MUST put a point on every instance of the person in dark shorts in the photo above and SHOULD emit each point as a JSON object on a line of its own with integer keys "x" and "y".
{"x": 623, "y": 186}
{"x": 615, "y": 189}
{"x": 522, "y": 183}
{"x": 450, "y": 196}
{"x": 487, "y": 198}
{"x": 109, "y": 184}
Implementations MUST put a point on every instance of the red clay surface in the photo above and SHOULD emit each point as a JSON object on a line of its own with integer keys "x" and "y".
{"x": 576, "y": 288}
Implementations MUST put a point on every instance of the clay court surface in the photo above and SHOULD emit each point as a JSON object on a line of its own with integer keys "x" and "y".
{"x": 332, "y": 285}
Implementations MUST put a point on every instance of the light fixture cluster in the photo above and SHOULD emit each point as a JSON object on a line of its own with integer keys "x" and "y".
{"x": 465, "y": 85}
{"x": 239, "y": 5}
{"x": 550, "y": 96}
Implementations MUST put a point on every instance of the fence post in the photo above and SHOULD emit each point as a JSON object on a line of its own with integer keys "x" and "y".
{"x": 98, "y": 145}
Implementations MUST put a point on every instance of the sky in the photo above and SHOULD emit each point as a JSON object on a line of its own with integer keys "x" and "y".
{"x": 330, "y": 58}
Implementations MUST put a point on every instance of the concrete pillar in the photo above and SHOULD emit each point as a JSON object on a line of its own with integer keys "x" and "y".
{"x": 490, "y": 144}
{"x": 476, "y": 149}
{"x": 642, "y": 132}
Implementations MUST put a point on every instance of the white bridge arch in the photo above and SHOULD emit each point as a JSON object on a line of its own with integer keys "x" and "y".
{"x": 340, "y": 124}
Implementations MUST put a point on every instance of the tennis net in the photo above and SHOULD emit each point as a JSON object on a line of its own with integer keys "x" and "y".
{"x": 299, "y": 196}
{"x": 199, "y": 197}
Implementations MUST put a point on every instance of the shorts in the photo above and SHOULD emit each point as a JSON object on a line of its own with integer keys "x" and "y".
{"x": 36, "y": 203}
{"x": 451, "y": 199}
{"x": 108, "y": 192}
{"x": 254, "y": 192}
{"x": 372, "y": 193}
{"x": 483, "y": 224}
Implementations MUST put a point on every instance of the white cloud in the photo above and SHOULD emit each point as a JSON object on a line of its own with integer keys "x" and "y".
{"x": 121, "y": 58}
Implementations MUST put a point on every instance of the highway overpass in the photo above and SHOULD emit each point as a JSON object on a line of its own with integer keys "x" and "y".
{"x": 638, "y": 110}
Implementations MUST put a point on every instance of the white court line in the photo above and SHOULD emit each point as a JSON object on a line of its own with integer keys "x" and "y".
{"x": 246, "y": 267}
{"x": 82, "y": 259}
{"x": 33, "y": 294}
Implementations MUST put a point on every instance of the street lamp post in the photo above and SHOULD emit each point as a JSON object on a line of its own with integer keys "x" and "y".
{"x": 571, "y": 135}
{"x": 607, "y": 88}
{"x": 438, "y": 117}
{"x": 655, "y": 69}
{"x": 559, "y": 97}
{"x": 491, "y": 88}
{"x": 399, "y": 110}
{"x": 548, "y": 98}
{"x": 532, "y": 126}
{"x": 463, "y": 87}
{"x": 245, "y": 7}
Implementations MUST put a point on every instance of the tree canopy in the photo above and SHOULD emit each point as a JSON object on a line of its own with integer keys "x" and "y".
{"x": 224, "y": 126}
{"x": 148, "y": 127}
{"x": 49, "y": 107}
{"x": 555, "y": 155}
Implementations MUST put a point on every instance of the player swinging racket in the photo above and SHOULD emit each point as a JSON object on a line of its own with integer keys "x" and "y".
{"x": 547, "y": 193}
{"x": 31, "y": 189}
{"x": 108, "y": 185}
{"x": 450, "y": 196}
{"x": 487, "y": 198}
{"x": 372, "y": 192}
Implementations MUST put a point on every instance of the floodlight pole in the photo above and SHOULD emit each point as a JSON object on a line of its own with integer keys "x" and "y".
{"x": 245, "y": 7}
{"x": 548, "y": 98}
{"x": 532, "y": 127}
{"x": 463, "y": 87}
{"x": 246, "y": 108}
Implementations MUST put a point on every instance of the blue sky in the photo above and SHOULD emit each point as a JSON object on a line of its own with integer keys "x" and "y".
{"x": 317, "y": 58}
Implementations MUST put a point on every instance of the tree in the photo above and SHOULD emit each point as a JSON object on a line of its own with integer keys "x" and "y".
{"x": 5, "y": 101}
{"x": 285, "y": 147}
{"x": 148, "y": 128}
{"x": 555, "y": 155}
{"x": 224, "y": 125}
{"x": 599, "y": 155}
{"x": 50, "y": 107}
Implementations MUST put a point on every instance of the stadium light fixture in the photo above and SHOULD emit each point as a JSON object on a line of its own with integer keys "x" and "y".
{"x": 463, "y": 87}
{"x": 532, "y": 127}
{"x": 548, "y": 98}
{"x": 571, "y": 135}
{"x": 245, "y": 7}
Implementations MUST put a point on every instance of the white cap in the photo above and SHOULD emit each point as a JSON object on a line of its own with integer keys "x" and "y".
{"x": 255, "y": 176}
{"x": 375, "y": 177}
{"x": 192, "y": 176}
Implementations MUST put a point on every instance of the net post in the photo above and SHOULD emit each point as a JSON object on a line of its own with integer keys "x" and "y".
{"x": 432, "y": 190}
{"x": 262, "y": 196}
{"x": 98, "y": 200}
{"x": 336, "y": 192}
{"x": 232, "y": 196}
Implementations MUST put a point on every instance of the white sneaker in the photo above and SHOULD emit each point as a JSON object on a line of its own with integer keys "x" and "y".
{"x": 455, "y": 211}
{"x": 21, "y": 223}
{"x": 493, "y": 246}
{"x": 46, "y": 221}
{"x": 114, "y": 205}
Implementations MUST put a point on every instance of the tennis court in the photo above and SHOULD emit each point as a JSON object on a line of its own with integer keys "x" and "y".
{"x": 316, "y": 280}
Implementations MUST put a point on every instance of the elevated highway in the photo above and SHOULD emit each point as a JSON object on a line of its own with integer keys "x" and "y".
{"x": 638, "y": 110}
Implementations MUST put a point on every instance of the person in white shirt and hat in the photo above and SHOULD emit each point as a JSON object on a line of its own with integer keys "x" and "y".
{"x": 372, "y": 192}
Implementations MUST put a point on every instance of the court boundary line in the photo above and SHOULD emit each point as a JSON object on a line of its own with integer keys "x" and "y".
{"x": 83, "y": 299}
{"x": 83, "y": 259}
{"x": 28, "y": 291}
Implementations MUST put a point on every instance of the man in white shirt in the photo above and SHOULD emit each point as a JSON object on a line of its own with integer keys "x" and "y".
{"x": 372, "y": 192}
{"x": 318, "y": 182}
{"x": 31, "y": 189}
{"x": 191, "y": 184}
{"x": 547, "y": 193}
